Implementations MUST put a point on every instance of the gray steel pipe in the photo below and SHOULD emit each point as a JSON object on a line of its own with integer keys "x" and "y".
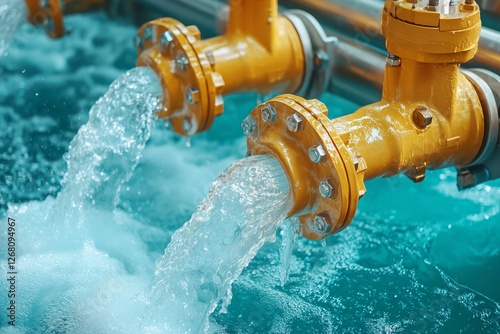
{"x": 207, "y": 15}
{"x": 491, "y": 6}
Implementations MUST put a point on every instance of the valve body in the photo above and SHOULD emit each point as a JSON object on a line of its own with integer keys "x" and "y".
{"x": 430, "y": 117}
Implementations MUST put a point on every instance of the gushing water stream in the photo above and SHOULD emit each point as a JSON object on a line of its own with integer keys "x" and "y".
{"x": 107, "y": 149}
{"x": 243, "y": 209}
{"x": 12, "y": 14}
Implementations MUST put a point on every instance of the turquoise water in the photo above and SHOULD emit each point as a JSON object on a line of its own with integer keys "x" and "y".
{"x": 417, "y": 257}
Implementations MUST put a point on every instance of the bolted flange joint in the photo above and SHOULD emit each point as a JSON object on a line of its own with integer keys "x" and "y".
{"x": 324, "y": 183}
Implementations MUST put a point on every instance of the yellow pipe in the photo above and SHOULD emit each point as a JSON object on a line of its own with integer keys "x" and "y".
{"x": 430, "y": 117}
{"x": 51, "y": 14}
{"x": 261, "y": 51}
{"x": 391, "y": 135}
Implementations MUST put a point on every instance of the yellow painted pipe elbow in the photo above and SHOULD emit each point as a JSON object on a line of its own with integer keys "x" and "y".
{"x": 49, "y": 13}
{"x": 430, "y": 116}
{"x": 261, "y": 52}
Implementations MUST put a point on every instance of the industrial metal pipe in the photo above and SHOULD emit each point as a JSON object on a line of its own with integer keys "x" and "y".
{"x": 261, "y": 51}
{"x": 360, "y": 19}
{"x": 49, "y": 13}
{"x": 209, "y": 16}
{"x": 430, "y": 116}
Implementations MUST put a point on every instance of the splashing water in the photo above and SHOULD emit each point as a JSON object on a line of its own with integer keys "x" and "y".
{"x": 289, "y": 235}
{"x": 67, "y": 262}
{"x": 12, "y": 14}
{"x": 242, "y": 211}
{"x": 106, "y": 150}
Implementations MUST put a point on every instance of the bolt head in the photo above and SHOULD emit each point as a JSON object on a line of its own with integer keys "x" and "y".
{"x": 181, "y": 62}
{"x": 327, "y": 188}
{"x": 317, "y": 154}
{"x": 393, "y": 60}
{"x": 295, "y": 122}
{"x": 249, "y": 126}
{"x": 465, "y": 179}
{"x": 192, "y": 95}
{"x": 148, "y": 33}
{"x": 138, "y": 42}
{"x": 268, "y": 113}
{"x": 422, "y": 117}
{"x": 166, "y": 38}
{"x": 320, "y": 224}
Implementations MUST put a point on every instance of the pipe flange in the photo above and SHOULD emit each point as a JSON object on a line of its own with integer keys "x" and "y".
{"x": 487, "y": 168}
{"x": 484, "y": 83}
{"x": 47, "y": 13}
{"x": 318, "y": 51}
{"x": 166, "y": 45}
{"x": 320, "y": 169}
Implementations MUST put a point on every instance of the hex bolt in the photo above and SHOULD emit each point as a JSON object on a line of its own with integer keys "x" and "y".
{"x": 295, "y": 122}
{"x": 469, "y": 2}
{"x": 138, "y": 42}
{"x": 465, "y": 179}
{"x": 181, "y": 62}
{"x": 327, "y": 188}
{"x": 392, "y": 60}
{"x": 268, "y": 113}
{"x": 148, "y": 33}
{"x": 166, "y": 39}
{"x": 355, "y": 160}
{"x": 192, "y": 95}
{"x": 422, "y": 117}
{"x": 210, "y": 57}
{"x": 317, "y": 154}
{"x": 320, "y": 224}
{"x": 432, "y": 5}
{"x": 249, "y": 125}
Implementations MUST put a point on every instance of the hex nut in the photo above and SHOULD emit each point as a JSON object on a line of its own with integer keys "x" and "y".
{"x": 320, "y": 224}
{"x": 268, "y": 113}
{"x": 422, "y": 117}
{"x": 295, "y": 122}
{"x": 327, "y": 188}
{"x": 393, "y": 60}
{"x": 249, "y": 125}
{"x": 317, "y": 154}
